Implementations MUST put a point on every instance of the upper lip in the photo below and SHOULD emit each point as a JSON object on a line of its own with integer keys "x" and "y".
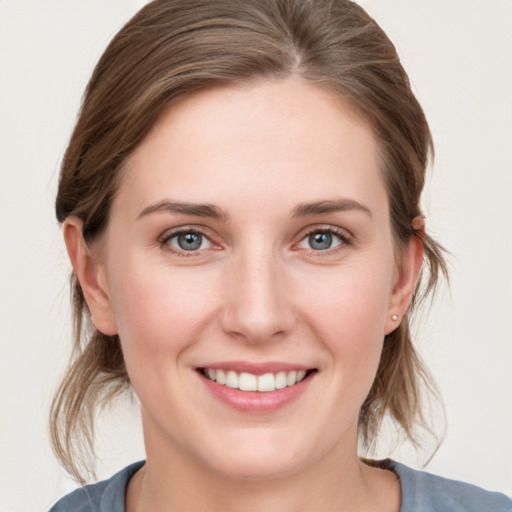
{"x": 256, "y": 368}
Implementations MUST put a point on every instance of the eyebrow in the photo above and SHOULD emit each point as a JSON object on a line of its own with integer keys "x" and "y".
{"x": 329, "y": 206}
{"x": 193, "y": 209}
{"x": 214, "y": 212}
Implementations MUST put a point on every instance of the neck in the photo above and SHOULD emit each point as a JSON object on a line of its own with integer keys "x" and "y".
{"x": 173, "y": 479}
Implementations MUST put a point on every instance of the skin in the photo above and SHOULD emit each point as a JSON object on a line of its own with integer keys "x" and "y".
{"x": 255, "y": 291}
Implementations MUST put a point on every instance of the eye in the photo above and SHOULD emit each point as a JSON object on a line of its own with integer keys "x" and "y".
{"x": 323, "y": 240}
{"x": 188, "y": 241}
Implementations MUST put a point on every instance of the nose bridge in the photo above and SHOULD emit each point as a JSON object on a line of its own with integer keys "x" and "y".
{"x": 258, "y": 307}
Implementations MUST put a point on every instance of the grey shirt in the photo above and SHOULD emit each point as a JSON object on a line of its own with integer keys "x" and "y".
{"x": 421, "y": 492}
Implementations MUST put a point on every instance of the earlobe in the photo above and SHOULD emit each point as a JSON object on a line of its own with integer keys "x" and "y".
{"x": 403, "y": 289}
{"x": 91, "y": 275}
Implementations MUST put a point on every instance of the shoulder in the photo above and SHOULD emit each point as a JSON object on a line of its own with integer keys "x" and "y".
{"x": 105, "y": 496}
{"x": 424, "y": 492}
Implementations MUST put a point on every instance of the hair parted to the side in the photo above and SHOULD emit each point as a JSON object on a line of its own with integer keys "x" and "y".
{"x": 172, "y": 48}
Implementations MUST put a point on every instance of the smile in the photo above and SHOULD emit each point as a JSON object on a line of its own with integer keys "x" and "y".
{"x": 245, "y": 381}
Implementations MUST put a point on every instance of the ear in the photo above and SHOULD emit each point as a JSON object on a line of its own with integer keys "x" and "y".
{"x": 405, "y": 282}
{"x": 91, "y": 274}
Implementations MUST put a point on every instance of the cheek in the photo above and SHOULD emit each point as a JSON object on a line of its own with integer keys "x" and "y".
{"x": 351, "y": 303}
{"x": 348, "y": 312}
{"x": 159, "y": 312}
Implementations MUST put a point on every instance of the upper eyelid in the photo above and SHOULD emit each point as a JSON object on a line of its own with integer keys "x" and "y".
{"x": 172, "y": 232}
{"x": 342, "y": 232}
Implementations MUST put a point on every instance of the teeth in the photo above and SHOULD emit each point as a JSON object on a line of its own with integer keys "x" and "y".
{"x": 220, "y": 376}
{"x": 249, "y": 382}
{"x": 266, "y": 382}
{"x": 232, "y": 379}
{"x": 281, "y": 380}
{"x": 291, "y": 378}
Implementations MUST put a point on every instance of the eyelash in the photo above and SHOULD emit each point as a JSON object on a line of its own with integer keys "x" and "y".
{"x": 344, "y": 238}
{"x": 168, "y": 236}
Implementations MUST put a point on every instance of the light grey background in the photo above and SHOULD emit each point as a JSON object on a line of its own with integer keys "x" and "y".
{"x": 458, "y": 54}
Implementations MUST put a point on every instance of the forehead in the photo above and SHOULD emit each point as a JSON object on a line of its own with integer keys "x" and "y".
{"x": 289, "y": 136}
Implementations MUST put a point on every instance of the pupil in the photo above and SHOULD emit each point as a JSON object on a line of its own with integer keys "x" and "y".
{"x": 190, "y": 241}
{"x": 320, "y": 241}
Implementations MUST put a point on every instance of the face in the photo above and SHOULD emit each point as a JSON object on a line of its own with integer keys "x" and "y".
{"x": 248, "y": 268}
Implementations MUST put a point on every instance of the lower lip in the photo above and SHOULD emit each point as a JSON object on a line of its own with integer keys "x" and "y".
{"x": 257, "y": 402}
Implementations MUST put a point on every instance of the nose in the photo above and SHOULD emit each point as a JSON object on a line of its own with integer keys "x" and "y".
{"x": 258, "y": 306}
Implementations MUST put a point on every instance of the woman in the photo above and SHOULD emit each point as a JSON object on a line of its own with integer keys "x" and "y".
{"x": 240, "y": 203}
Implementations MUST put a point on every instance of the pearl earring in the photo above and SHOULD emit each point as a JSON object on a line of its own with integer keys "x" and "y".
{"x": 394, "y": 318}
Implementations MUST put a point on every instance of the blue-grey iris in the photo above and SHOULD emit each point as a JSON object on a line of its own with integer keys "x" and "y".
{"x": 320, "y": 241}
{"x": 190, "y": 241}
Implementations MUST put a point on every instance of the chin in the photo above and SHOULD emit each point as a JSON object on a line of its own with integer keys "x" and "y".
{"x": 261, "y": 457}
{"x": 256, "y": 468}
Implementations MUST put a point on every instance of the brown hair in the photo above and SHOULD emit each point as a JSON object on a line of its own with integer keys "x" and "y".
{"x": 174, "y": 47}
